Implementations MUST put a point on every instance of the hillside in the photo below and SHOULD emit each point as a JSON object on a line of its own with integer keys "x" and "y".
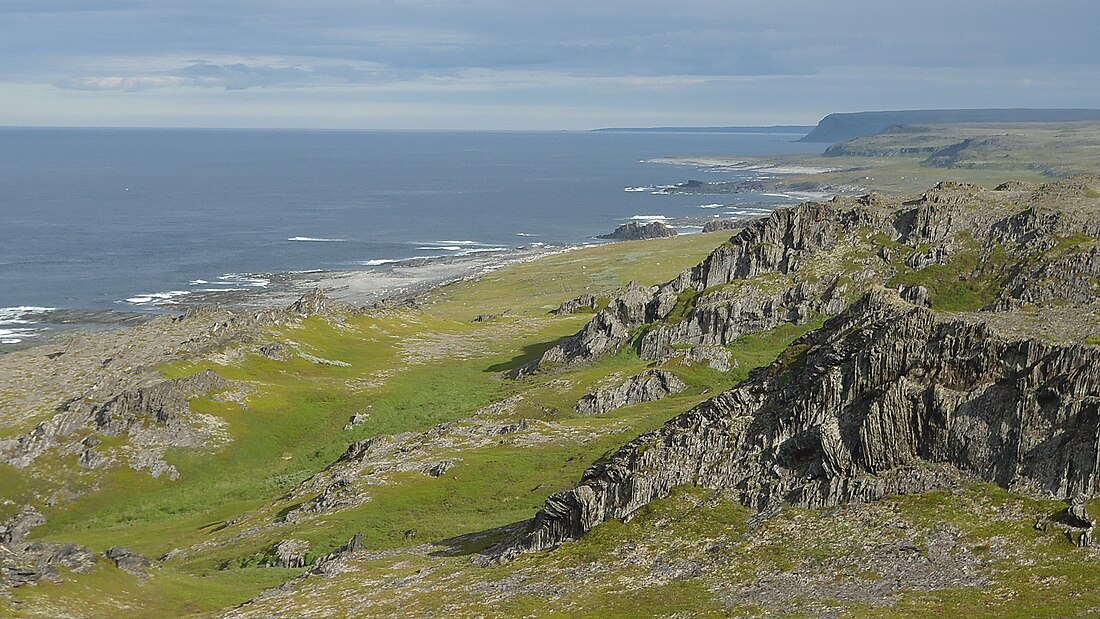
{"x": 870, "y": 406}
{"x": 842, "y": 127}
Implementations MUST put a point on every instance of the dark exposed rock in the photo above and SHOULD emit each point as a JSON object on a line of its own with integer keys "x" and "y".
{"x": 608, "y": 332}
{"x": 763, "y": 277}
{"x": 312, "y": 303}
{"x": 715, "y": 225}
{"x": 649, "y": 386}
{"x": 129, "y": 561}
{"x": 715, "y": 357}
{"x": 917, "y": 295}
{"x": 153, "y": 415}
{"x": 19, "y": 526}
{"x": 583, "y": 302}
{"x": 439, "y": 468}
{"x": 275, "y": 350}
{"x": 291, "y": 553}
{"x": 28, "y": 562}
{"x": 887, "y": 398}
{"x": 163, "y": 403}
{"x": 1077, "y": 514}
{"x": 634, "y": 231}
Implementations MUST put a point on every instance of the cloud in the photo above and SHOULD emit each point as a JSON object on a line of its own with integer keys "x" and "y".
{"x": 748, "y": 58}
{"x": 235, "y": 76}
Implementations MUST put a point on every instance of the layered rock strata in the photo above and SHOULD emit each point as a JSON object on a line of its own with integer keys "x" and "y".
{"x": 649, "y": 386}
{"x": 887, "y": 398}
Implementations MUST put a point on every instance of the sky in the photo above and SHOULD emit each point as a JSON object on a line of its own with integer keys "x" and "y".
{"x": 546, "y": 65}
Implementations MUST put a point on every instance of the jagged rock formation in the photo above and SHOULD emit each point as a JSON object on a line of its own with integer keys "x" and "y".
{"x": 25, "y": 563}
{"x": 634, "y": 231}
{"x": 887, "y": 398}
{"x": 1017, "y": 246}
{"x": 714, "y": 357}
{"x": 715, "y": 225}
{"x": 18, "y": 527}
{"x": 649, "y": 386}
{"x": 154, "y": 416}
{"x": 291, "y": 553}
{"x": 583, "y": 302}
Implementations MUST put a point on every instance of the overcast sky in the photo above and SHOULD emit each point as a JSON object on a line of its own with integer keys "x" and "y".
{"x": 551, "y": 64}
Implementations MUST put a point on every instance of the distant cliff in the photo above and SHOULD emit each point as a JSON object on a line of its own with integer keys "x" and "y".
{"x": 849, "y": 126}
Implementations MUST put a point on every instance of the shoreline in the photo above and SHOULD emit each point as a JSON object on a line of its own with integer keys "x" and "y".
{"x": 395, "y": 282}
{"x": 398, "y": 280}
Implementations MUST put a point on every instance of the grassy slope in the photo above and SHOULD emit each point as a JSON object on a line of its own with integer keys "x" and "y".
{"x": 293, "y": 427}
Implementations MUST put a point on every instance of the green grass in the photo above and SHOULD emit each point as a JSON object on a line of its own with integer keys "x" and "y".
{"x": 293, "y": 423}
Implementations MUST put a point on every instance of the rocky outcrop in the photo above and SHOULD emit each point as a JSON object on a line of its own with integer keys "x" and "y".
{"x": 887, "y": 398}
{"x": 634, "y": 231}
{"x": 18, "y": 527}
{"x": 154, "y": 417}
{"x": 801, "y": 262}
{"x": 715, "y": 225}
{"x": 312, "y": 303}
{"x": 722, "y": 316}
{"x": 26, "y": 563}
{"x": 649, "y": 386}
{"x": 129, "y": 561}
{"x": 607, "y": 333}
{"x": 581, "y": 303}
{"x": 290, "y": 553}
{"x": 714, "y": 357}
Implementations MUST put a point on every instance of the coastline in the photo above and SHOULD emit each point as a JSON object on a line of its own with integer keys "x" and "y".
{"x": 395, "y": 282}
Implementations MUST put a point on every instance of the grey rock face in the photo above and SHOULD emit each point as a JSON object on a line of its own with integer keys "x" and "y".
{"x": 129, "y": 561}
{"x": 19, "y": 526}
{"x": 634, "y": 231}
{"x": 154, "y": 416}
{"x": 715, "y": 225}
{"x": 583, "y": 302}
{"x": 607, "y": 333}
{"x": 28, "y": 562}
{"x": 649, "y": 386}
{"x": 758, "y": 279}
{"x": 715, "y": 357}
{"x": 887, "y": 398}
{"x": 312, "y": 303}
{"x": 291, "y": 553}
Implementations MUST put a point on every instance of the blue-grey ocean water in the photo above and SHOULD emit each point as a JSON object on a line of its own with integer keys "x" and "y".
{"x": 102, "y": 219}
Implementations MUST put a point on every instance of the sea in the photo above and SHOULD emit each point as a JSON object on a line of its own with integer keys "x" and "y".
{"x": 133, "y": 220}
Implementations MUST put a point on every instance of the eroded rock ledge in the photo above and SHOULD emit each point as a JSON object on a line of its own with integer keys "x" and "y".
{"x": 887, "y": 398}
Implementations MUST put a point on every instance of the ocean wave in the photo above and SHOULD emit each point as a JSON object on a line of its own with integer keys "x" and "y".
{"x": 14, "y": 336}
{"x": 18, "y": 314}
{"x": 711, "y": 206}
{"x": 241, "y": 279}
{"x": 525, "y": 234}
{"x": 148, "y": 298}
{"x": 649, "y": 217}
{"x": 311, "y": 239}
{"x": 198, "y": 282}
{"x": 636, "y": 188}
{"x": 459, "y": 242}
{"x": 378, "y": 262}
{"x": 440, "y": 248}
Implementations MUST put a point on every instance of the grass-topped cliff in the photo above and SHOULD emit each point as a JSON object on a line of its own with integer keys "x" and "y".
{"x": 422, "y": 459}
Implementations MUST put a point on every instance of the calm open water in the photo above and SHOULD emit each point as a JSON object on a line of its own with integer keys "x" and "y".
{"x": 92, "y": 218}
